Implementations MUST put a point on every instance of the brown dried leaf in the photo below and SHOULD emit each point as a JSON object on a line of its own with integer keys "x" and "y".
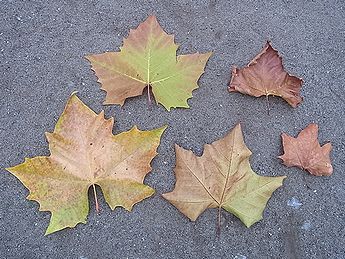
{"x": 264, "y": 76}
{"x": 305, "y": 152}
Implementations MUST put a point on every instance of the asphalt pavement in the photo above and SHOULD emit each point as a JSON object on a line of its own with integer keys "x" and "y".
{"x": 42, "y": 45}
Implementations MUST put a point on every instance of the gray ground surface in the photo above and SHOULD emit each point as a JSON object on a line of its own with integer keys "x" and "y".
{"x": 42, "y": 47}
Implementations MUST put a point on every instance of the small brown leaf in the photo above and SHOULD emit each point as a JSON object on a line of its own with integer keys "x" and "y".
{"x": 305, "y": 152}
{"x": 264, "y": 76}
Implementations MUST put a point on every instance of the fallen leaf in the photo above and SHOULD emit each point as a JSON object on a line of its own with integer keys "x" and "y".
{"x": 305, "y": 152}
{"x": 148, "y": 59}
{"x": 264, "y": 76}
{"x": 85, "y": 153}
{"x": 221, "y": 178}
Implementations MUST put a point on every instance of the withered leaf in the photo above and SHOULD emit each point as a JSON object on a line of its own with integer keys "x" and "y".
{"x": 221, "y": 178}
{"x": 148, "y": 59}
{"x": 264, "y": 76}
{"x": 305, "y": 152}
{"x": 85, "y": 153}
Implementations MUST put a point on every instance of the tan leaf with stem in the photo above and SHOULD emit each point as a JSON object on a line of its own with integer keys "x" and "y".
{"x": 221, "y": 178}
{"x": 85, "y": 153}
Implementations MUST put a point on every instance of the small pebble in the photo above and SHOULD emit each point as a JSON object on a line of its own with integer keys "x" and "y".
{"x": 306, "y": 225}
{"x": 294, "y": 203}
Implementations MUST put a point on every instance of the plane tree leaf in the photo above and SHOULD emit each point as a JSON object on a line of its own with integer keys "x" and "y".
{"x": 306, "y": 153}
{"x": 85, "y": 153}
{"x": 148, "y": 59}
{"x": 265, "y": 76}
{"x": 221, "y": 178}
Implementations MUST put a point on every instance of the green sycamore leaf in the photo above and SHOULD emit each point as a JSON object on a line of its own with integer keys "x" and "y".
{"x": 148, "y": 59}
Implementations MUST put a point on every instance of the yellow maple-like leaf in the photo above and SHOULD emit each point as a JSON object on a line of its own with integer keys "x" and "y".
{"x": 221, "y": 178}
{"x": 85, "y": 153}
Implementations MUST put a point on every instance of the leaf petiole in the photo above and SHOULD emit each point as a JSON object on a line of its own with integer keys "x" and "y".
{"x": 95, "y": 195}
{"x": 219, "y": 220}
{"x": 268, "y": 104}
{"x": 148, "y": 95}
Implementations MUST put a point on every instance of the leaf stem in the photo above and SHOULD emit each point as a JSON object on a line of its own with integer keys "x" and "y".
{"x": 148, "y": 95}
{"x": 219, "y": 221}
{"x": 95, "y": 195}
{"x": 268, "y": 104}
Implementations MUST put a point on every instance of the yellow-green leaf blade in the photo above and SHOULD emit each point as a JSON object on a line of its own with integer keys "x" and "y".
{"x": 148, "y": 58}
{"x": 64, "y": 195}
{"x": 124, "y": 193}
{"x": 249, "y": 201}
{"x": 176, "y": 84}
